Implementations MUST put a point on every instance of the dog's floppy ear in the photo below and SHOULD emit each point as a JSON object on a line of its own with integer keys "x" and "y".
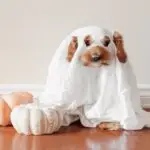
{"x": 72, "y": 48}
{"x": 118, "y": 40}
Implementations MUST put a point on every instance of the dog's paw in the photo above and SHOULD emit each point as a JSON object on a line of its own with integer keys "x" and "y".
{"x": 114, "y": 126}
{"x": 109, "y": 126}
{"x": 32, "y": 119}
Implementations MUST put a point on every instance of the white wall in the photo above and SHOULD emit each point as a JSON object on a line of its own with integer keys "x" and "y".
{"x": 31, "y": 30}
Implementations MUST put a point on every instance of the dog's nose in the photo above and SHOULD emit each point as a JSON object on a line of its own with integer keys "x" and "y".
{"x": 96, "y": 57}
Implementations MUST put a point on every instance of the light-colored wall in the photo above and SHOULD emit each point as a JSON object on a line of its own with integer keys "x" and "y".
{"x": 31, "y": 30}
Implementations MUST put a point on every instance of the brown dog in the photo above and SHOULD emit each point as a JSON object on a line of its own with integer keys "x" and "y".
{"x": 97, "y": 56}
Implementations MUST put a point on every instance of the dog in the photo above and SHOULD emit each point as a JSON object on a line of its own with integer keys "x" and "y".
{"x": 96, "y": 56}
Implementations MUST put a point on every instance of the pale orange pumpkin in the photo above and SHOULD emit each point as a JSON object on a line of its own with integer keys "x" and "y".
{"x": 10, "y": 101}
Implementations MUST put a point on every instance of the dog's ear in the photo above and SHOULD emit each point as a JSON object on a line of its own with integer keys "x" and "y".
{"x": 72, "y": 48}
{"x": 119, "y": 42}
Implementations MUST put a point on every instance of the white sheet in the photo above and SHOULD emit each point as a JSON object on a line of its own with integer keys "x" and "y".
{"x": 93, "y": 95}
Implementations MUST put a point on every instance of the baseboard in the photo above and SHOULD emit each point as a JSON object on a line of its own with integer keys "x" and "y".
{"x": 145, "y": 95}
{"x": 35, "y": 89}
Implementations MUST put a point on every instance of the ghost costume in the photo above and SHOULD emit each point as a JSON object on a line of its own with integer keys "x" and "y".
{"x": 91, "y": 95}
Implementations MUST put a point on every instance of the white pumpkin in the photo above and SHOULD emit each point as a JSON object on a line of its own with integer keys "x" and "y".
{"x": 32, "y": 119}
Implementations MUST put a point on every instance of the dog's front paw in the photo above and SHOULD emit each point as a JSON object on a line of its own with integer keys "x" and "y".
{"x": 109, "y": 126}
{"x": 32, "y": 119}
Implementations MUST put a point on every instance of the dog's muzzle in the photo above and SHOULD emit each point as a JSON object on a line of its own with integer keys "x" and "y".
{"x": 95, "y": 57}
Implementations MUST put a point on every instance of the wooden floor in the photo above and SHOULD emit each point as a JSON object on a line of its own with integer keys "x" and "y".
{"x": 76, "y": 138}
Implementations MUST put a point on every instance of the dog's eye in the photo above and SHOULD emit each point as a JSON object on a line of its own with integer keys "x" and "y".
{"x": 88, "y": 40}
{"x": 87, "y": 43}
{"x": 106, "y": 41}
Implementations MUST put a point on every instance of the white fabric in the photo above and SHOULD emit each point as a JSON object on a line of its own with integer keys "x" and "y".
{"x": 93, "y": 95}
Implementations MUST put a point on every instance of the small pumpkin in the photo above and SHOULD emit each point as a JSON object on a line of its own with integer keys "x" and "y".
{"x": 4, "y": 113}
{"x": 9, "y": 101}
{"x": 35, "y": 119}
